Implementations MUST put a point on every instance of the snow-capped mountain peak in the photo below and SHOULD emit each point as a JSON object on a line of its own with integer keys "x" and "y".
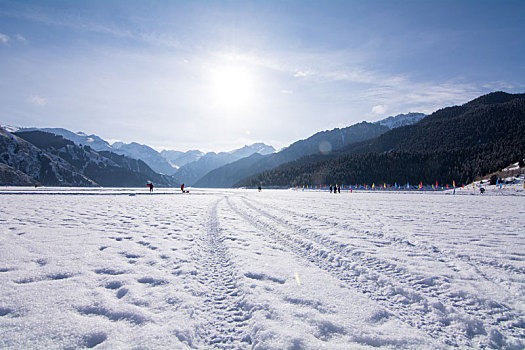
{"x": 401, "y": 120}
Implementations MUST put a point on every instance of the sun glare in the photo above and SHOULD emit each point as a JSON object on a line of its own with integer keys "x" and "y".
{"x": 232, "y": 87}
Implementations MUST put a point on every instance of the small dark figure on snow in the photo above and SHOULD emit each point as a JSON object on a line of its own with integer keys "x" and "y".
{"x": 260, "y": 189}
{"x": 339, "y": 189}
{"x": 482, "y": 190}
{"x": 182, "y": 188}
{"x": 330, "y": 188}
{"x": 150, "y": 185}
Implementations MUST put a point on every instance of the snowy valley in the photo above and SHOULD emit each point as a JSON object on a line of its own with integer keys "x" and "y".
{"x": 277, "y": 269}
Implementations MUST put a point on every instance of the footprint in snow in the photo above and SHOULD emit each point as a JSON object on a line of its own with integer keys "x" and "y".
{"x": 93, "y": 339}
{"x": 108, "y": 271}
{"x": 122, "y": 292}
{"x": 114, "y": 285}
{"x": 5, "y": 311}
{"x": 152, "y": 281}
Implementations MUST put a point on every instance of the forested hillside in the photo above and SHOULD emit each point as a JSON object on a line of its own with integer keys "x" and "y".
{"x": 453, "y": 144}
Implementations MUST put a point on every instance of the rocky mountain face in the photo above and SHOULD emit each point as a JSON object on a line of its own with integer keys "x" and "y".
{"x": 13, "y": 177}
{"x": 79, "y": 138}
{"x": 133, "y": 150}
{"x": 23, "y": 157}
{"x": 52, "y": 160}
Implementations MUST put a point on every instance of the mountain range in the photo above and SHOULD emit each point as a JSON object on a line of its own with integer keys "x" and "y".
{"x": 458, "y": 143}
{"x": 42, "y": 158}
{"x": 323, "y": 142}
{"x": 187, "y": 166}
{"x": 131, "y": 164}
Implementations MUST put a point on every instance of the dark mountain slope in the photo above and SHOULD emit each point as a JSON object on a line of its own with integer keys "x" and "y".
{"x": 43, "y": 168}
{"x": 140, "y": 172}
{"x": 13, "y": 177}
{"x": 104, "y": 168}
{"x": 455, "y": 143}
{"x": 222, "y": 177}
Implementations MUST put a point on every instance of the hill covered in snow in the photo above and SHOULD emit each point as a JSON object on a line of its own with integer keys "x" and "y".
{"x": 401, "y": 120}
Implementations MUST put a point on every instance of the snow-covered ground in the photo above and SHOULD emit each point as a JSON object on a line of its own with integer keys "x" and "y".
{"x": 281, "y": 269}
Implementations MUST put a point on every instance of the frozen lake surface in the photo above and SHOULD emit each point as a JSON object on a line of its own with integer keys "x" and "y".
{"x": 121, "y": 268}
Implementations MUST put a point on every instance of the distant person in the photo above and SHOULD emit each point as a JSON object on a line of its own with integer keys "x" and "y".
{"x": 481, "y": 190}
{"x": 339, "y": 189}
{"x": 330, "y": 188}
{"x": 260, "y": 189}
{"x": 150, "y": 185}
{"x": 182, "y": 188}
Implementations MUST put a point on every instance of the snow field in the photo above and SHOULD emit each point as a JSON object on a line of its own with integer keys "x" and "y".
{"x": 271, "y": 270}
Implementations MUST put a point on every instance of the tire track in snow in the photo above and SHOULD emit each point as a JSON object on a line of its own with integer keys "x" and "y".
{"x": 431, "y": 250}
{"x": 224, "y": 306}
{"x": 493, "y": 313}
{"x": 419, "y": 302}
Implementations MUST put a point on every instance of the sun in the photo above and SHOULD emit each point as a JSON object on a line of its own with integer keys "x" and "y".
{"x": 232, "y": 87}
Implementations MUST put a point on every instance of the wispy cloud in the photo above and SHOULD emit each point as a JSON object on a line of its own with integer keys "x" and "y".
{"x": 400, "y": 92}
{"x": 300, "y": 74}
{"x": 37, "y": 100}
{"x": 379, "y": 109}
{"x": 21, "y": 38}
{"x": 286, "y": 92}
{"x": 79, "y": 23}
{"x": 426, "y": 96}
{"x": 4, "y": 39}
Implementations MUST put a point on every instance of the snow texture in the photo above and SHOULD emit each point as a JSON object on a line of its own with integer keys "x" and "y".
{"x": 279, "y": 269}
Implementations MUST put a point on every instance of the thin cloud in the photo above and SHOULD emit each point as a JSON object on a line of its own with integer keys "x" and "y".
{"x": 379, "y": 109}
{"x": 287, "y": 92}
{"x": 21, "y": 38}
{"x": 38, "y": 100}
{"x": 399, "y": 92}
{"x": 66, "y": 20}
{"x": 83, "y": 24}
{"x": 4, "y": 38}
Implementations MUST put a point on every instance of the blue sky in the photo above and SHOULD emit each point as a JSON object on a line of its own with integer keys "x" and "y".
{"x": 215, "y": 75}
